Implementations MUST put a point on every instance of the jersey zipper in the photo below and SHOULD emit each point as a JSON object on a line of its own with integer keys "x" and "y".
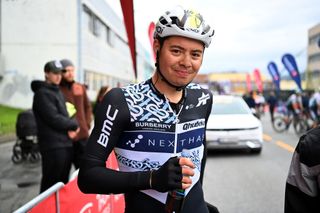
{"x": 175, "y": 127}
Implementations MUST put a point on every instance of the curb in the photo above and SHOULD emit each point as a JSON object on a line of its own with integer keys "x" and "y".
{"x": 7, "y": 138}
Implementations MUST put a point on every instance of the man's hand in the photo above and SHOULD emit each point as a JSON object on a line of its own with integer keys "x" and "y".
{"x": 72, "y": 134}
{"x": 174, "y": 174}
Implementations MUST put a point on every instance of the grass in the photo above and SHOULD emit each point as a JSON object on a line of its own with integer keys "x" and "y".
{"x": 8, "y": 117}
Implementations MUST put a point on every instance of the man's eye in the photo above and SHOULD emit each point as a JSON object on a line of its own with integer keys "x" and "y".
{"x": 175, "y": 51}
{"x": 196, "y": 55}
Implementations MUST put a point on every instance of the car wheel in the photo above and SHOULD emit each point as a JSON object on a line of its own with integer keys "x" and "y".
{"x": 256, "y": 150}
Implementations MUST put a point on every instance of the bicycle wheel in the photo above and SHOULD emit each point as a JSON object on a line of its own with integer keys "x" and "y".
{"x": 279, "y": 124}
{"x": 300, "y": 127}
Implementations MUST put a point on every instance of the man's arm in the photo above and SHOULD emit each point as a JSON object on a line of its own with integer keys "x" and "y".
{"x": 111, "y": 119}
{"x": 46, "y": 106}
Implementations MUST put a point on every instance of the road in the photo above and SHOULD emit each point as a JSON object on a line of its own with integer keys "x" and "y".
{"x": 240, "y": 182}
{"x": 18, "y": 183}
{"x": 236, "y": 182}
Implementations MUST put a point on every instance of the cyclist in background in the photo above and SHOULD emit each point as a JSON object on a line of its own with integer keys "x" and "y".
{"x": 294, "y": 103}
{"x": 314, "y": 108}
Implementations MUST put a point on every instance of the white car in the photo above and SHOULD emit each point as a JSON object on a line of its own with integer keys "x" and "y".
{"x": 232, "y": 125}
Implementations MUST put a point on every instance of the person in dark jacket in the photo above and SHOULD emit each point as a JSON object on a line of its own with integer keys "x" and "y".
{"x": 53, "y": 124}
{"x": 272, "y": 102}
{"x": 302, "y": 193}
{"x": 76, "y": 95}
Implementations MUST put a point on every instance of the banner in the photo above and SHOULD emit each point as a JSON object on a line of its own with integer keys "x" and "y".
{"x": 258, "y": 80}
{"x": 71, "y": 199}
{"x": 291, "y": 65}
{"x": 248, "y": 80}
{"x": 274, "y": 72}
{"x": 150, "y": 33}
{"x": 128, "y": 16}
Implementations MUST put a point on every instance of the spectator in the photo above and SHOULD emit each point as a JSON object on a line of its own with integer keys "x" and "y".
{"x": 272, "y": 102}
{"x": 75, "y": 94}
{"x": 53, "y": 124}
{"x": 260, "y": 103}
{"x": 102, "y": 92}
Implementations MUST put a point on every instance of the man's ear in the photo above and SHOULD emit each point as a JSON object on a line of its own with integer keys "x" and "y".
{"x": 46, "y": 74}
{"x": 156, "y": 46}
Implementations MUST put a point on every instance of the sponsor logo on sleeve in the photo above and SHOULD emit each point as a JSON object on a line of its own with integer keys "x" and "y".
{"x": 203, "y": 99}
{"x": 107, "y": 125}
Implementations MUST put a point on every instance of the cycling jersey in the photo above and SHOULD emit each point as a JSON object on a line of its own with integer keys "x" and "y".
{"x": 294, "y": 103}
{"x": 139, "y": 123}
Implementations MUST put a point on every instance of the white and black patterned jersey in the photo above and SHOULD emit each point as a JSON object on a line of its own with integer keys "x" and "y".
{"x": 144, "y": 130}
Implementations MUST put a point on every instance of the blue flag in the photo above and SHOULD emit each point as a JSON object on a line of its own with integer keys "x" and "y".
{"x": 291, "y": 65}
{"x": 273, "y": 70}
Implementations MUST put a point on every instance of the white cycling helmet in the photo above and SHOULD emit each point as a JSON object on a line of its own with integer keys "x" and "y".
{"x": 186, "y": 23}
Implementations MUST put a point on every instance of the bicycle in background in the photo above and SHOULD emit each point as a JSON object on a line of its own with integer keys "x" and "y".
{"x": 283, "y": 120}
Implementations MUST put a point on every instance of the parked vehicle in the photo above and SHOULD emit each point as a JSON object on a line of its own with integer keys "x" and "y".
{"x": 232, "y": 125}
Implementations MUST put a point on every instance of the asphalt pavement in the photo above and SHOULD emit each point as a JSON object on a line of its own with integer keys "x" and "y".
{"x": 19, "y": 183}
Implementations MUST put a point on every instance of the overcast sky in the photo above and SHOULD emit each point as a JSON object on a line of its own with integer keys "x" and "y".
{"x": 248, "y": 33}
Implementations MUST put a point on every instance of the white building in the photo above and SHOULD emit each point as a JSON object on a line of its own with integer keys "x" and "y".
{"x": 313, "y": 71}
{"x": 86, "y": 31}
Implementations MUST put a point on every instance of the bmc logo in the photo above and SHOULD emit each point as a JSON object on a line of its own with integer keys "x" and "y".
{"x": 106, "y": 128}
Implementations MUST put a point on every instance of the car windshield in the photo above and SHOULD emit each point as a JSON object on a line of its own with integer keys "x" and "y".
{"x": 229, "y": 105}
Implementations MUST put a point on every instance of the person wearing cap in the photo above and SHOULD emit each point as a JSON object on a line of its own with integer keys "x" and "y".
{"x": 149, "y": 124}
{"x": 75, "y": 95}
{"x": 53, "y": 124}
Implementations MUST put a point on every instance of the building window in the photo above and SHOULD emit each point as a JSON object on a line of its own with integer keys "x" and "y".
{"x": 111, "y": 38}
{"x": 314, "y": 58}
{"x": 88, "y": 19}
{"x": 314, "y": 39}
{"x": 97, "y": 26}
{"x": 104, "y": 33}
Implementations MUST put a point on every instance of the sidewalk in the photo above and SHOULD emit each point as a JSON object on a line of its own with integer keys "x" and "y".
{"x": 19, "y": 183}
{"x": 7, "y": 138}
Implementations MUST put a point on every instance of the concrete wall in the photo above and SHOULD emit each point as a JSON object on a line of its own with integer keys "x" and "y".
{"x": 33, "y": 32}
{"x": 36, "y": 31}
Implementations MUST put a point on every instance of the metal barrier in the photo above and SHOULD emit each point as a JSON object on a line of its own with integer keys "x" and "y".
{"x": 53, "y": 189}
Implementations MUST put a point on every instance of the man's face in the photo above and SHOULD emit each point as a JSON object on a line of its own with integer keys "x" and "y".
{"x": 68, "y": 73}
{"x": 180, "y": 59}
{"x": 53, "y": 77}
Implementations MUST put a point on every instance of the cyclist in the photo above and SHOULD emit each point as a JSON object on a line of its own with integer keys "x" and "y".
{"x": 314, "y": 107}
{"x": 148, "y": 124}
{"x": 294, "y": 104}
